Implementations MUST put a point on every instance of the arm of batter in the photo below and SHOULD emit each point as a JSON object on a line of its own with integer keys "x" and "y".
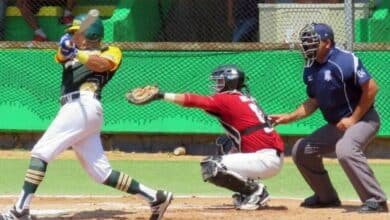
{"x": 108, "y": 60}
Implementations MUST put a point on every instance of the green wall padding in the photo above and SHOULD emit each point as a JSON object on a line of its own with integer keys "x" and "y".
{"x": 31, "y": 78}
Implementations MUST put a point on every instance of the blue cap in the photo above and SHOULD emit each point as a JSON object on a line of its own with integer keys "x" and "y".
{"x": 324, "y": 30}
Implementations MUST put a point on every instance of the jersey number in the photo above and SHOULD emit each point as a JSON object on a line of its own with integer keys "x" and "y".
{"x": 258, "y": 112}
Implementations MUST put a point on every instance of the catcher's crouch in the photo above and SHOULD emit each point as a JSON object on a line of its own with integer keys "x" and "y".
{"x": 251, "y": 150}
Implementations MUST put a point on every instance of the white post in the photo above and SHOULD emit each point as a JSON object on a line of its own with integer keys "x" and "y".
{"x": 349, "y": 24}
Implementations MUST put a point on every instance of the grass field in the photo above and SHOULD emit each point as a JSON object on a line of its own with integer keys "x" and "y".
{"x": 179, "y": 175}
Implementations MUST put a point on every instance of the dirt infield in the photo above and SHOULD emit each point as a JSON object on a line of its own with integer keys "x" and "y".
{"x": 189, "y": 207}
{"x": 119, "y": 155}
{"x": 130, "y": 207}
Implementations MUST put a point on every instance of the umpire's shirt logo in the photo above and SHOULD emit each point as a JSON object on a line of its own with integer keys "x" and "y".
{"x": 327, "y": 75}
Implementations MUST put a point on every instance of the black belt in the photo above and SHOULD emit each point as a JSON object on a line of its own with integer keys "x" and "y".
{"x": 72, "y": 96}
{"x": 253, "y": 129}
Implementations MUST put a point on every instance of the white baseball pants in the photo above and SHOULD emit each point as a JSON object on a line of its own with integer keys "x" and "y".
{"x": 77, "y": 125}
{"x": 261, "y": 164}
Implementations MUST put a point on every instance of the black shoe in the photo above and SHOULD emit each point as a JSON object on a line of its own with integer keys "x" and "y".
{"x": 373, "y": 207}
{"x": 314, "y": 202}
{"x": 161, "y": 204}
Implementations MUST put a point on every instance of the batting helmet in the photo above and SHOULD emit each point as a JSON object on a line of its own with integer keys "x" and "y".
{"x": 227, "y": 78}
{"x": 94, "y": 32}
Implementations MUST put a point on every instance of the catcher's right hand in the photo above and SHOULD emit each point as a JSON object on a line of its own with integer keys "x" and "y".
{"x": 143, "y": 95}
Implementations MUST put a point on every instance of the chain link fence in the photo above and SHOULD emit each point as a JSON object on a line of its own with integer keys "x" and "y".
{"x": 267, "y": 24}
{"x": 184, "y": 40}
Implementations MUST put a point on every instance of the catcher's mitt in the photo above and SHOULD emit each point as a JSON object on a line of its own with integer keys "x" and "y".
{"x": 143, "y": 95}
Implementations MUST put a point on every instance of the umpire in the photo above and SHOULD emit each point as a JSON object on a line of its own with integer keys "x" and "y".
{"x": 340, "y": 86}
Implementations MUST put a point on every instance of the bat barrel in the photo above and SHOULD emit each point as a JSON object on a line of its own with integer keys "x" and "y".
{"x": 93, "y": 13}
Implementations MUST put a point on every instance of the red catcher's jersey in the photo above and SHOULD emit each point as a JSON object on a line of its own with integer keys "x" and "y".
{"x": 238, "y": 112}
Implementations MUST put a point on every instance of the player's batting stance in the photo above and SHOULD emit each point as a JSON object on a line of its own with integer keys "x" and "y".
{"x": 252, "y": 149}
{"x": 339, "y": 85}
{"x": 87, "y": 68}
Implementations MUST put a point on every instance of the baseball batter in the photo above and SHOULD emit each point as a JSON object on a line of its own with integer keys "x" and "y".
{"x": 253, "y": 150}
{"x": 341, "y": 87}
{"x": 87, "y": 68}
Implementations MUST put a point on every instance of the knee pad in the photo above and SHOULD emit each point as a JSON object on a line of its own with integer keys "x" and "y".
{"x": 215, "y": 172}
{"x": 210, "y": 166}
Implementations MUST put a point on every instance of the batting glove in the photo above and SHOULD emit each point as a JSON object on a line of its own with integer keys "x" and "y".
{"x": 67, "y": 46}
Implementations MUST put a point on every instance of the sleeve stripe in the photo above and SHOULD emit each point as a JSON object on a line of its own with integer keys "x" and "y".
{"x": 355, "y": 67}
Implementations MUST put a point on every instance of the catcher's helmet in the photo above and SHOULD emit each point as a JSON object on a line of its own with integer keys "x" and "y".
{"x": 310, "y": 37}
{"x": 227, "y": 78}
{"x": 94, "y": 32}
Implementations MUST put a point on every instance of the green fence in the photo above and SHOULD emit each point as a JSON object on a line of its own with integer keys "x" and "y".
{"x": 30, "y": 89}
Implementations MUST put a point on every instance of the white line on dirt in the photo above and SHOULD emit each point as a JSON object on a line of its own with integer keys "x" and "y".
{"x": 176, "y": 196}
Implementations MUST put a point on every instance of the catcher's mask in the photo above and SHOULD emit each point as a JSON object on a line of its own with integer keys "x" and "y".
{"x": 227, "y": 78}
{"x": 310, "y": 37}
{"x": 95, "y": 32}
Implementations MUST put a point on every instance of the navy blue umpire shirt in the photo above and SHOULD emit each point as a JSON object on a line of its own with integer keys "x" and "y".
{"x": 336, "y": 84}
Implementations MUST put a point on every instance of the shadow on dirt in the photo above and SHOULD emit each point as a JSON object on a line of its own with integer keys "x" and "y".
{"x": 350, "y": 208}
{"x": 92, "y": 214}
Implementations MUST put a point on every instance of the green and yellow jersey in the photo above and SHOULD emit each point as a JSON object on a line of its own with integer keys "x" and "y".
{"x": 76, "y": 76}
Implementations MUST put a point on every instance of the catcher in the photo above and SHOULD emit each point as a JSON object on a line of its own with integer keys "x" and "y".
{"x": 249, "y": 151}
{"x": 87, "y": 68}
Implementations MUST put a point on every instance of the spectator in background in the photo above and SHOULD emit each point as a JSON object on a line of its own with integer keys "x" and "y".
{"x": 3, "y": 7}
{"x": 243, "y": 17}
{"x": 29, "y": 8}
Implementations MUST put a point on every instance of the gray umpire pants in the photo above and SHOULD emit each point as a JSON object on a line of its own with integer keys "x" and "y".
{"x": 349, "y": 146}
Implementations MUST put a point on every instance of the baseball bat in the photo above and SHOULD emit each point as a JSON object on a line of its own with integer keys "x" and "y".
{"x": 92, "y": 15}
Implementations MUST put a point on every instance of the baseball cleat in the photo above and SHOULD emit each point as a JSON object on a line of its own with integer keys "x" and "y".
{"x": 15, "y": 215}
{"x": 256, "y": 200}
{"x": 163, "y": 199}
{"x": 238, "y": 199}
